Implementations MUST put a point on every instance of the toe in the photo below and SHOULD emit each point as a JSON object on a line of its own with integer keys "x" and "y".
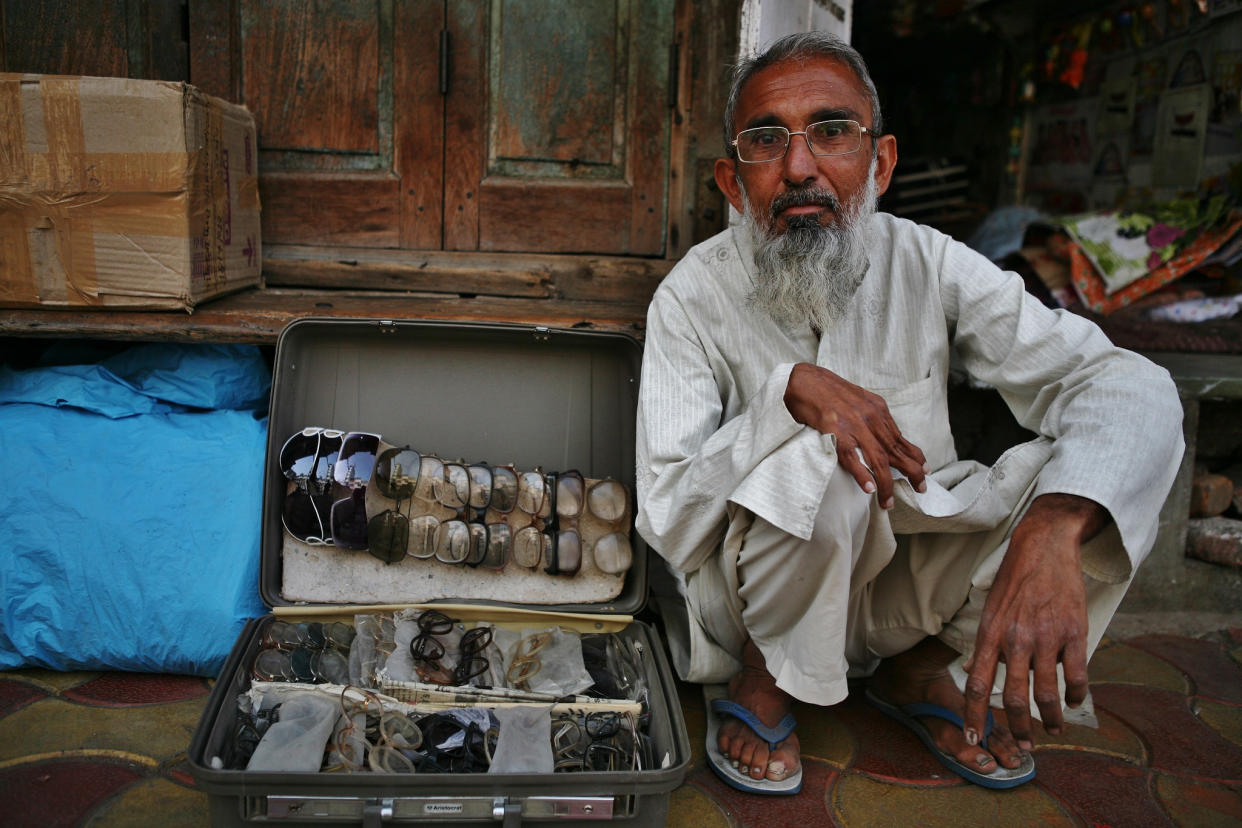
{"x": 976, "y": 758}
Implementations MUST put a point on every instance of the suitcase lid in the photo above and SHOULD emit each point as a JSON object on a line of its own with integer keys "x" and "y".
{"x": 502, "y": 393}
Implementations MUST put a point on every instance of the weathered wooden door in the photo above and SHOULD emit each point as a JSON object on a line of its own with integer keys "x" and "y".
{"x": 557, "y": 134}
{"x": 518, "y": 125}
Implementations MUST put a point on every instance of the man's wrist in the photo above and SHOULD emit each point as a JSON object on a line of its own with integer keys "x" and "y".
{"x": 1080, "y": 518}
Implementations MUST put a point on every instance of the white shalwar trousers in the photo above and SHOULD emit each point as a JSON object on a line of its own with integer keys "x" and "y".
{"x": 830, "y": 608}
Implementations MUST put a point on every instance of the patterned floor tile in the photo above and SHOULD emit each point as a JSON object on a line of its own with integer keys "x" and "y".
{"x": 1130, "y": 665}
{"x": 808, "y": 807}
{"x": 1207, "y": 664}
{"x": 857, "y": 800}
{"x": 824, "y": 735}
{"x": 176, "y": 805}
{"x": 689, "y": 805}
{"x": 1100, "y": 789}
{"x": 50, "y": 680}
{"x": 1111, "y": 738}
{"x": 51, "y": 725}
{"x": 1199, "y": 805}
{"x": 15, "y": 694}
{"x": 134, "y": 689}
{"x": 1180, "y": 743}
{"x": 51, "y": 794}
{"x": 1225, "y": 719}
{"x": 888, "y": 751}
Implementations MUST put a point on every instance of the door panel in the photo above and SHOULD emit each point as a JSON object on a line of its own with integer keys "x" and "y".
{"x": 573, "y": 128}
{"x": 545, "y": 129}
{"x": 312, "y": 77}
{"x": 342, "y": 108}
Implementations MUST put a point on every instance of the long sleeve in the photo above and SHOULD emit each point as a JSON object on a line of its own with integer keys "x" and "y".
{"x": 688, "y": 460}
{"x": 1113, "y": 416}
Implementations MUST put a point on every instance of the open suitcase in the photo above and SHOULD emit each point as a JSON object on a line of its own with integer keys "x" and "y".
{"x": 535, "y": 401}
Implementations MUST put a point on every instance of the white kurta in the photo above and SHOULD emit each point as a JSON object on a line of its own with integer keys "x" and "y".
{"x": 714, "y": 434}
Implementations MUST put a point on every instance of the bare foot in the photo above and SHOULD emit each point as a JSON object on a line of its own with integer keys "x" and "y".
{"x": 756, "y": 690}
{"x": 921, "y": 675}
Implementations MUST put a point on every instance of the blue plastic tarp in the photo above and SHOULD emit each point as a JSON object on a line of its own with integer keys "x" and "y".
{"x": 130, "y": 519}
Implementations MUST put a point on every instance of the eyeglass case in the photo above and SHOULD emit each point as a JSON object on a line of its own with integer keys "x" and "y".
{"x": 505, "y": 394}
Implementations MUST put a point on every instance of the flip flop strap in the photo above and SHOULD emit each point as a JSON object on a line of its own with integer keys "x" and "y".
{"x": 772, "y": 735}
{"x": 929, "y": 709}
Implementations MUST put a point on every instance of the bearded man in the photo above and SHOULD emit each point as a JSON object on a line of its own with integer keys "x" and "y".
{"x": 797, "y": 471}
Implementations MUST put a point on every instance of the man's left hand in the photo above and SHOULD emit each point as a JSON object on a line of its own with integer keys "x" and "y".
{"x": 1035, "y": 617}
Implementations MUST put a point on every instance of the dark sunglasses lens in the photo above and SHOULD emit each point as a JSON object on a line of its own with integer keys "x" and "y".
{"x": 356, "y": 460}
{"x": 349, "y": 521}
{"x": 388, "y": 536}
{"x": 306, "y": 515}
{"x": 297, "y": 457}
{"x": 396, "y": 473}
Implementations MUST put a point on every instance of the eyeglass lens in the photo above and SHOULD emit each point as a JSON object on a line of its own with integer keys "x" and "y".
{"x": 768, "y": 143}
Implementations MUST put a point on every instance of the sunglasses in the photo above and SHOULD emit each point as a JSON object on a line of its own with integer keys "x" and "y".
{"x": 355, "y": 463}
{"x": 308, "y": 459}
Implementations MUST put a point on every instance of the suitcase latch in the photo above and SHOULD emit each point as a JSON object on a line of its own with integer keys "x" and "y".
{"x": 567, "y": 807}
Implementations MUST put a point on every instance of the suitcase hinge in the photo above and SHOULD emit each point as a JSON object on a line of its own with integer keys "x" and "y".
{"x": 376, "y": 813}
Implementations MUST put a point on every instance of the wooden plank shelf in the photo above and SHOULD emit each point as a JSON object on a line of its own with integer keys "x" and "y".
{"x": 559, "y": 291}
{"x": 257, "y": 316}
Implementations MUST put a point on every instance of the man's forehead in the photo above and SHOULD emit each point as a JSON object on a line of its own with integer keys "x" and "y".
{"x": 802, "y": 91}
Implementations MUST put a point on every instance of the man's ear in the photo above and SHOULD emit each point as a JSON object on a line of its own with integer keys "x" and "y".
{"x": 726, "y": 180}
{"x": 886, "y": 160}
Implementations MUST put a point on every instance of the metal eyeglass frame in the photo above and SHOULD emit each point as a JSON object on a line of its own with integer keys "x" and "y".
{"x": 862, "y": 130}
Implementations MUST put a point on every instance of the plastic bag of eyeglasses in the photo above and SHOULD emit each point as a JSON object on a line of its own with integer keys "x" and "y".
{"x": 525, "y": 744}
{"x": 296, "y": 742}
{"x": 544, "y": 660}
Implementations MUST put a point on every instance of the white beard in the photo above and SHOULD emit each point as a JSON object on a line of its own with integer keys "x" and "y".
{"x": 809, "y": 273}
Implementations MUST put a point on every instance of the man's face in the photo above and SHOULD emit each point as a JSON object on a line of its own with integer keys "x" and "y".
{"x": 793, "y": 94}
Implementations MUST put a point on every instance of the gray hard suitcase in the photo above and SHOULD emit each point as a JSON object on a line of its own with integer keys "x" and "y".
{"x": 531, "y": 397}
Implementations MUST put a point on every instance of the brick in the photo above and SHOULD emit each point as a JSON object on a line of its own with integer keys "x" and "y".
{"x": 1210, "y": 495}
{"x": 1216, "y": 540}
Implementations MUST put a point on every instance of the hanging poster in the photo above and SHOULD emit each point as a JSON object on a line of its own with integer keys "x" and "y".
{"x": 1061, "y": 156}
{"x": 1116, "y": 106}
{"x": 1148, "y": 84}
{"x": 1181, "y": 129}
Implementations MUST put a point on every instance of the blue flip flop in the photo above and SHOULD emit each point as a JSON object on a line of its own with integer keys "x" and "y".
{"x": 906, "y": 714}
{"x": 715, "y": 697}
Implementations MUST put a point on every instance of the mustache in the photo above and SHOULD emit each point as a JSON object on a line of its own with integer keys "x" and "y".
{"x": 803, "y": 197}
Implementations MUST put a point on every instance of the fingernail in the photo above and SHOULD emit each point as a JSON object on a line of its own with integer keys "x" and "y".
{"x": 983, "y": 760}
{"x": 922, "y": 487}
{"x": 927, "y": 468}
{"x": 1055, "y": 731}
{"x": 1025, "y": 744}
{"x": 888, "y": 504}
{"x": 972, "y": 736}
{"x": 869, "y": 487}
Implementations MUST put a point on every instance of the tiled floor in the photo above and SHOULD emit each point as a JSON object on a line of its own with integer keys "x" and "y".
{"x": 109, "y": 749}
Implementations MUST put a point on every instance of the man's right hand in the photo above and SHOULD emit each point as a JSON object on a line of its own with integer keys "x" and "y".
{"x": 860, "y": 420}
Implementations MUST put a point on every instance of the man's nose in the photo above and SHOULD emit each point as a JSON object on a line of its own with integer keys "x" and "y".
{"x": 800, "y": 164}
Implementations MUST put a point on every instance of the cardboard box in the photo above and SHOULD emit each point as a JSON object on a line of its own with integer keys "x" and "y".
{"x": 118, "y": 193}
